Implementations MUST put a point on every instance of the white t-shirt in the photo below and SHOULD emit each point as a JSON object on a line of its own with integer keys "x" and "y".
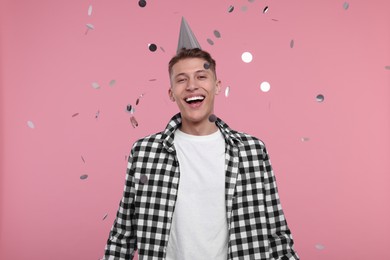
{"x": 199, "y": 227}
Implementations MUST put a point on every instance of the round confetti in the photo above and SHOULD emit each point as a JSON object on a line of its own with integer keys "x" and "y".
{"x": 292, "y": 44}
{"x": 142, "y": 3}
{"x": 346, "y": 5}
{"x": 143, "y": 179}
{"x": 265, "y": 86}
{"x": 212, "y": 118}
{"x": 320, "y": 247}
{"x": 217, "y": 34}
{"x": 112, "y": 83}
{"x": 265, "y": 10}
{"x": 230, "y": 9}
{"x": 83, "y": 177}
{"x": 30, "y": 124}
{"x": 210, "y": 41}
{"x": 246, "y": 57}
{"x": 227, "y": 91}
{"x": 206, "y": 65}
{"x": 152, "y": 47}
{"x": 95, "y": 85}
{"x": 320, "y": 98}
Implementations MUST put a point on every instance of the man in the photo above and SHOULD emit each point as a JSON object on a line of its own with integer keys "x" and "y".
{"x": 199, "y": 190}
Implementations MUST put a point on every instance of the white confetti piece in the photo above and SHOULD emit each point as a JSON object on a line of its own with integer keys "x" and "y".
{"x": 112, "y": 83}
{"x": 320, "y": 247}
{"x": 95, "y": 85}
{"x": 227, "y": 91}
{"x": 265, "y": 86}
{"x": 247, "y": 57}
{"x": 320, "y": 98}
{"x": 90, "y": 10}
{"x": 30, "y": 124}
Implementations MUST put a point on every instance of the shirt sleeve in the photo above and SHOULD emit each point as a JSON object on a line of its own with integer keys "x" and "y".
{"x": 280, "y": 238}
{"x": 121, "y": 243}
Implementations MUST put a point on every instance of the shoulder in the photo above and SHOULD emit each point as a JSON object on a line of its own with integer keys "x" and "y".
{"x": 147, "y": 143}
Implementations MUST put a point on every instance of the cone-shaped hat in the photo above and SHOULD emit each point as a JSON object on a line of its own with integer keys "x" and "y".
{"x": 187, "y": 38}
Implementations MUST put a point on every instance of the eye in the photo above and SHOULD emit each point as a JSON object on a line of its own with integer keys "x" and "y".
{"x": 180, "y": 80}
{"x": 202, "y": 77}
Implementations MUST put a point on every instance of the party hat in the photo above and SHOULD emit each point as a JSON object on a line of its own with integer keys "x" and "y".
{"x": 187, "y": 38}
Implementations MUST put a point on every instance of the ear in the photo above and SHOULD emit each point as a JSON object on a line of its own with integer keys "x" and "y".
{"x": 218, "y": 87}
{"x": 170, "y": 94}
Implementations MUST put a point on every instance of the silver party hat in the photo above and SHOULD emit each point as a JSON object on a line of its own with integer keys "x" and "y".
{"x": 187, "y": 38}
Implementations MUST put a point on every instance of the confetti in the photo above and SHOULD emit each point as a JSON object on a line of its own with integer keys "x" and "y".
{"x": 244, "y": 8}
{"x": 265, "y": 86}
{"x": 320, "y": 98}
{"x": 217, "y": 34}
{"x": 152, "y": 79}
{"x": 230, "y": 9}
{"x": 30, "y": 124}
{"x": 320, "y": 247}
{"x": 305, "y": 139}
{"x": 152, "y": 47}
{"x": 75, "y": 114}
{"x": 89, "y": 27}
{"x": 275, "y": 20}
{"x": 210, "y": 41}
{"x": 246, "y": 57}
{"x": 95, "y": 85}
{"x": 90, "y": 10}
{"x": 346, "y": 5}
{"x": 84, "y": 176}
{"x": 97, "y": 114}
{"x": 142, "y": 3}
{"x": 82, "y": 158}
{"x": 206, "y": 65}
{"x": 227, "y": 91}
{"x": 133, "y": 121}
{"x": 138, "y": 99}
{"x": 265, "y": 10}
{"x": 251, "y": 1}
{"x": 162, "y": 49}
{"x": 143, "y": 179}
{"x": 292, "y": 44}
{"x": 105, "y": 216}
{"x": 130, "y": 109}
{"x": 112, "y": 83}
{"x": 212, "y": 118}
{"x": 387, "y": 67}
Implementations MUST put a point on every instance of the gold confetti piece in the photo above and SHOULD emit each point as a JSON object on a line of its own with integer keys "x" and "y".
{"x": 133, "y": 121}
{"x": 75, "y": 114}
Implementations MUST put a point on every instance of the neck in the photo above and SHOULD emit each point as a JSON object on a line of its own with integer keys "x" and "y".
{"x": 201, "y": 128}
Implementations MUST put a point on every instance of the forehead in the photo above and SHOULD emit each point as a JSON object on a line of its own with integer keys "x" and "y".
{"x": 188, "y": 65}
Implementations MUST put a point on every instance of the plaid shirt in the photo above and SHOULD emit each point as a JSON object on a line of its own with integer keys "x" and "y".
{"x": 257, "y": 226}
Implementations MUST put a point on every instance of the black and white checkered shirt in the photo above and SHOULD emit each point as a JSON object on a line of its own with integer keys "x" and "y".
{"x": 257, "y": 226}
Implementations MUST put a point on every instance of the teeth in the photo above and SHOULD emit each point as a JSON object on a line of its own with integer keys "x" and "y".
{"x": 194, "y": 98}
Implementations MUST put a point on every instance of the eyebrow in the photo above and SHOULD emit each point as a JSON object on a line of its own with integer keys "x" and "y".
{"x": 185, "y": 74}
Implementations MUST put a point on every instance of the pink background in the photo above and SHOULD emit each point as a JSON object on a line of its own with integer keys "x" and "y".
{"x": 334, "y": 185}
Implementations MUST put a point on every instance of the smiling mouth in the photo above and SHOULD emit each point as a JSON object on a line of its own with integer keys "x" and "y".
{"x": 194, "y": 100}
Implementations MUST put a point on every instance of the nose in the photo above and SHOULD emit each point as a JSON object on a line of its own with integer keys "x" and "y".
{"x": 191, "y": 85}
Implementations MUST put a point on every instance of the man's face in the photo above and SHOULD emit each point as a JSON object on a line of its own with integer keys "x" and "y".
{"x": 193, "y": 88}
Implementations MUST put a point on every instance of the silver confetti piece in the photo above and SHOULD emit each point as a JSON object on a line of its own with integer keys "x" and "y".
{"x": 387, "y": 67}
{"x": 97, "y": 114}
{"x": 89, "y": 27}
{"x": 143, "y": 179}
{"x": 231, "y": 9}
{"x": 244, "y": 8}
{"x": 320, "y": 98}
{"x": 210, "y": 41}
{"x": 217, "y": 34}
{"x": 133, "y": 122}
{"x": 95, "y": 85}
{"x": 206, "y": 65}
{"x": 162, "y": 49}
{"x": 265, "y": 10}
{"x": 305, "y": 139}
{"x": 292, "y": 44}
{"x": 75, "y": 114}
{"x": 105, "y": 216}
{"x": 30, "y": 124}
{"x": 90, "y": 10}
{"x": 320, "y": 247}
{"x": 142, "y": 3}
{"x": 212, "y": 118}
{"x": 82, "y": 158}
{"x": 346, "y": 5}
{"x": 84, "y": 176}
{"x": 112, "y": 83}
{"x": 227, "y": 91}
{"x": 152, "y": 47}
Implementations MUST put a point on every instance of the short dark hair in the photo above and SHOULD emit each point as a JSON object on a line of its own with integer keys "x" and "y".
{"x": 193, "y": 53}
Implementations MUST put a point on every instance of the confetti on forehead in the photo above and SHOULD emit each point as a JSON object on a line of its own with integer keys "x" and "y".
{"x": 187, "y": 38}
{"x": 206, "y": 65}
